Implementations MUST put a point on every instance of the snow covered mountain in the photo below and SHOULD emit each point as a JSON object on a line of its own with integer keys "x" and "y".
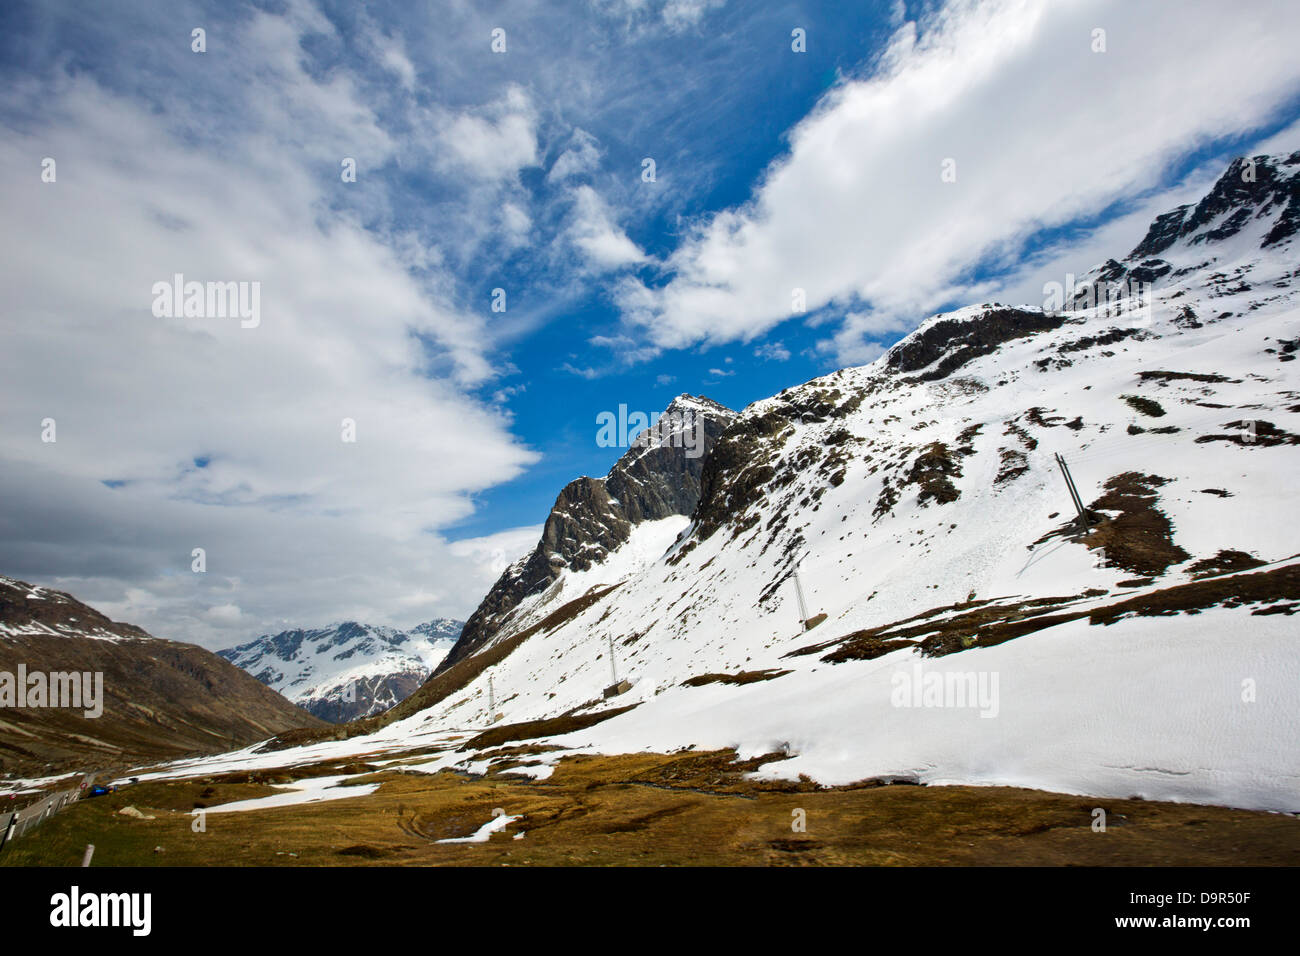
{"x": 953, "y": 619}
{"x": 347, "y": 670}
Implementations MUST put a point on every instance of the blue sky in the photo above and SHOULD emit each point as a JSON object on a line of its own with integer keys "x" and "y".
{"x": 521, "y": 170}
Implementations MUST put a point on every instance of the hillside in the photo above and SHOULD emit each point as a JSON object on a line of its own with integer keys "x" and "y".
{"x": 593, "y": 518}
{"x": 161, "y": 699}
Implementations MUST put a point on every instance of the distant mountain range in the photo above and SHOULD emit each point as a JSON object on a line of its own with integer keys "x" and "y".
{"x": 158, "y": 699}
{"x": 347, "y": 670}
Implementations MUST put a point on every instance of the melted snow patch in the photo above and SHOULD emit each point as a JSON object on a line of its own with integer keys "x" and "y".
{"x": 315, "y": 790}
{"x": 483, "y": 833}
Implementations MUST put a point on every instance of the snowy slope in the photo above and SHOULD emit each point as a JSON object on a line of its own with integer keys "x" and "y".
{"x": 347, "y": 670}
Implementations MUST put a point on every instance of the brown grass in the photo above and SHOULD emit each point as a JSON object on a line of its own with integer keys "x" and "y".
{"x": 660, "y": 809}
{"x": 1140, "y": 538}
{"x": 1225, "y": 562}
{"x": 548, "y": 727}
{"x": 1146, "y": 406}
{"x": 743, "y": 677}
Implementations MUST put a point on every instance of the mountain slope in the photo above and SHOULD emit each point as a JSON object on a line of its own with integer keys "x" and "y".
{"x": 347, "y": 670}
{"x": 934, "y": 527}
{"x": 160, "y": 699}
{"x": 655, "y": 481}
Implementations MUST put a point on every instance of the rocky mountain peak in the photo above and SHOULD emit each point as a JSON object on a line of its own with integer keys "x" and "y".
{"x": 944, "y": 344}
{"x": 1265, "y": 188}
{"x": 29, "y": 609}
{"x": 658, "y": 477}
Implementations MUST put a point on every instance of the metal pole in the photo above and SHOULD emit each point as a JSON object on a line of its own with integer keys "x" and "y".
{"x": 492, "y": 701}
{"x": 1078, "y": 501}
{"x": 1074, "y": 494}
{"x": 798, "y": 590}
{"x": 613, "y": 671}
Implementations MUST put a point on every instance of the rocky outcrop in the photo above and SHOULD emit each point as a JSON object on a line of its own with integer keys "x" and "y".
{"x": 946, "y": 345}
{"x": 1250, "y": 188}
{"x": 593, "y": 516}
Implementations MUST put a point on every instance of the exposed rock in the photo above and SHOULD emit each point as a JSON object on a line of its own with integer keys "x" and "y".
{"x": 593, "y": 516}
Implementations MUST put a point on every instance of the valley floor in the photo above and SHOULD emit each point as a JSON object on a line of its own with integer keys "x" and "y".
{"x": 688, "y": 808}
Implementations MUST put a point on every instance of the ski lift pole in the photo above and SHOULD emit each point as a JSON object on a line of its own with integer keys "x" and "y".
{"x": 798, "y": 591}
{"x": 1074, "y": 493}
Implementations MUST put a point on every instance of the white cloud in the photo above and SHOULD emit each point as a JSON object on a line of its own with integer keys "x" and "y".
{"x": 773, "y": 351}
{"x": 492, "y": 553}
{"x": 516, "y": 224}
{"x": 680, "y": 14}
{"x": 593, "y": 230}
{"x": 642, "y": 15}
{"x": 225, "y": 615}
{"x": 582, "y": 155}
{"x": 586, "y": 372}
{"x": 394, "y": 58}
{"x": 494, "y": 142}
{"x": 1042, "y": 129}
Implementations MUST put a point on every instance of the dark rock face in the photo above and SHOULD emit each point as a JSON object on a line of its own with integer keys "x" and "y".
{"x": 371, "y": 695}
{"x": 746, "y": 472}
{"x": 1161, "y": 234}
{"x": 593, "y": 516}
{"x": 1149, "y": 270}
{"x": 950, "y": 343}
{"x": 736, "y": 472}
